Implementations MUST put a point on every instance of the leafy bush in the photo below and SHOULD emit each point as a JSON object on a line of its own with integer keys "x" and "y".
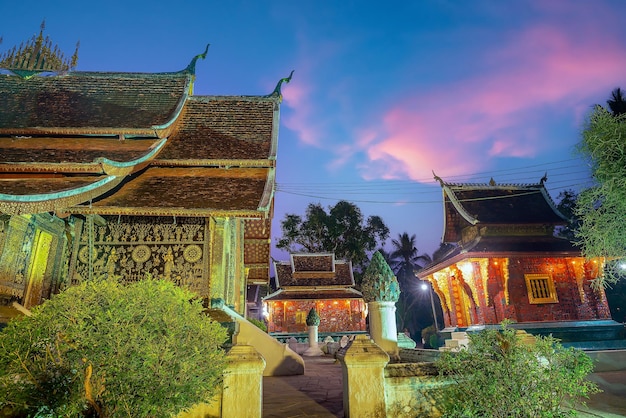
{"x": 259, "y": 324}
{"x": 430, "y": 336}
{"x": 499, "y": 375}
{"x": 105, "y": 349}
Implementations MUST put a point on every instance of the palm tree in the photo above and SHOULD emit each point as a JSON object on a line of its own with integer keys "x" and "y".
{"x": 617, "y": 102}
{"x": 404, "y": 260}
{"x": 405, "y": 257}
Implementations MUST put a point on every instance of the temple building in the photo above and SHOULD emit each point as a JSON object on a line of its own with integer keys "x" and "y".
{"x": 315, "y": 281}
{"x": 507, "y": 263}
{"x": 113, "y": 174}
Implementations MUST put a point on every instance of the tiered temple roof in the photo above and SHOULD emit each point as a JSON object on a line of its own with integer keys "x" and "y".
{"x": 498, "y": 219}
{"x": 314, "y": 276}
{"x": 139, "y": 144}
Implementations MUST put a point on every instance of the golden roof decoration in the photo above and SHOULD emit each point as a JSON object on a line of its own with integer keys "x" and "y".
{"x": 36, "y": 56}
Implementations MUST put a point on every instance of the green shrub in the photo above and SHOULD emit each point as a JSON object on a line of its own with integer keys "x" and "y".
{"x": 430, "y": 336}
{"x": 498, "y": 375}
{"x": 105, "y": 349}
{"x": 259, "y": 324}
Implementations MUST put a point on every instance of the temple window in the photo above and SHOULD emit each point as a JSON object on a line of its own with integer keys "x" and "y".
{"x": 540, "y": 288}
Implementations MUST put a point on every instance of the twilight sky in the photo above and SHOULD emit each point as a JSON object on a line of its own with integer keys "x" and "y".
{"x": 382, "y": 95}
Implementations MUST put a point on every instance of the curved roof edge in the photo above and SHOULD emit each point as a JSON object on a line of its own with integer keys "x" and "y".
{"x": 57, "y": 201}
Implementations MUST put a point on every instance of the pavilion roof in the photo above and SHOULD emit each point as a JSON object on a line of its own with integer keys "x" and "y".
{"x": 314, "y": 294}
{"x": 306, "y": 270}
{"x": 492, "y": 204}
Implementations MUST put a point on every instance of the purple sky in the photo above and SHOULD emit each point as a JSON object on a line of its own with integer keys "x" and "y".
{"x": 381, "y": 95}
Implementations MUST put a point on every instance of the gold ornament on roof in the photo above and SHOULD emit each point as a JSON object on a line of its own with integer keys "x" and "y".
{"x": 36, "y": 56}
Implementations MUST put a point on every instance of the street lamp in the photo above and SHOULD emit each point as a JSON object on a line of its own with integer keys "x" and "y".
{"x": 432, "y": 303}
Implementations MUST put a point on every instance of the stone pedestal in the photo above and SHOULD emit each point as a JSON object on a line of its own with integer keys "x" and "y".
{"x": 383, "y": 329}
{"x": 244, "y": 375}
{"x": 363, "y": 365}
{"x": 314, "y": 349}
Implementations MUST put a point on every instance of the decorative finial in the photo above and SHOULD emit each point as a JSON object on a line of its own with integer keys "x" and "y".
{"x": 191, "y": 68}
{"x": 544, "y": 178}
{"x": 438, "y": 178}
{"x": 36, "y": 56}
{"x": 276, "y": 91}
{"x": 379, "y": 282}
{"x": 492, "y": 182}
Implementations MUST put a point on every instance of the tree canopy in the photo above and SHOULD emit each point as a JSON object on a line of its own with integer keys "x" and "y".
{"x": 342, "y": 230}
{"x": 602, "y": 208}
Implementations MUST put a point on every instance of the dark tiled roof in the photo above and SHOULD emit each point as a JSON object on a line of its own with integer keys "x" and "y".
{"x": 71, "y": 150}
{"x": 21, "y": 187}
{"x": 341, "y": 277}
{"x": 499, "y": 204}
{"x": 223, "y": 128}
{"x": 190, "y": 188}
{"x": 315, "y": 294}
{"x": 90, "y": 100}
{"x": 312, "y": 262}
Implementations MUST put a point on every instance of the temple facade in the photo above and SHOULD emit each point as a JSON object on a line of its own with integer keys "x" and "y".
{"x": 124, "y": 175}
{"x": 315, "y": 281}
{"x": 507, "y": 263}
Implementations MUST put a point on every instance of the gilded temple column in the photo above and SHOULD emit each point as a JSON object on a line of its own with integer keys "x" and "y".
{"x": 217, "y": 278}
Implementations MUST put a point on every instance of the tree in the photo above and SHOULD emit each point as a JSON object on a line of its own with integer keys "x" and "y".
{"x": 567, "y": 206}
{"x": 406, "y": 257}
{"x": 342, "y": 231}
{"x": 501, "y": 375}
{"x": 602, "y": 208}
{"x": 411, "y": 308}
{"x": 617, "y": 102}
{"x": 106, "y": 349}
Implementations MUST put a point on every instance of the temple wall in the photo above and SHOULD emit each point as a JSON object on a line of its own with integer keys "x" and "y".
{"x": 33, "y": 260}
{"x": 335, "y": 315}
{"x": 487, "y": 291}
{"x": 131, "y": 247}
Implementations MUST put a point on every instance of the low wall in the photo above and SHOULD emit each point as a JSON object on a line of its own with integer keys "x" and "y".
{"x": 375, "y": 388}
{"x": 412, "y": 390}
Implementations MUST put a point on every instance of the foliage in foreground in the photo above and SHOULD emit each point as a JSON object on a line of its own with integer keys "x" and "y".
{"x": 499, "y": 375}
{"x": 602, "y": 208}
{"x": 105, "y": 349}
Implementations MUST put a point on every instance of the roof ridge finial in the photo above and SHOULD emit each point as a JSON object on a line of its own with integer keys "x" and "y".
{"x": 191, "y": 68}
{"x": 36, "y": 56}
{"x": 492, "y": 182}
{"x": 439, "y": 179}
{"x": 277, "y": 91}
{"x": 544, "y": 178}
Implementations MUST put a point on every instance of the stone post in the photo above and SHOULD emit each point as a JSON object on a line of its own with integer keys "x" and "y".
{"x": 244, "y": 375}
{"x": 381, "y": 292}
{"x": 363, "y": 365}
{"x": 313, "y": 322}
{"x": 383, "y": 327}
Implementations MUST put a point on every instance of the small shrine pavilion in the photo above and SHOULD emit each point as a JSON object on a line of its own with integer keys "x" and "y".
{"x": 507, "y": 263}
{"x": 115, "y": 174}
{"x": 315, "y": 281}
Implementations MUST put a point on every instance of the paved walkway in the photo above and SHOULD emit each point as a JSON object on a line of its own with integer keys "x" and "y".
{"x": 316, "y": 393}
{"x": 319, "y": 393}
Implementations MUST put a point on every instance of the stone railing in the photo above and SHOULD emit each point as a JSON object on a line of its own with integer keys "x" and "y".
{"x": 373, "y": 387}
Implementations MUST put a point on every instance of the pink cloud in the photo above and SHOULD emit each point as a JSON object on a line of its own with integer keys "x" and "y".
{"x": 296, "y": 96}
{"x": 455, "y": 129}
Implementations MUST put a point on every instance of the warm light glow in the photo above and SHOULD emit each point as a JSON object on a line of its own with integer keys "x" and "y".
{"x": 335, "y": 302}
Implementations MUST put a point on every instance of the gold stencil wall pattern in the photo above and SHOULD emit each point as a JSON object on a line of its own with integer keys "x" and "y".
{"x": 130, "y": 248}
